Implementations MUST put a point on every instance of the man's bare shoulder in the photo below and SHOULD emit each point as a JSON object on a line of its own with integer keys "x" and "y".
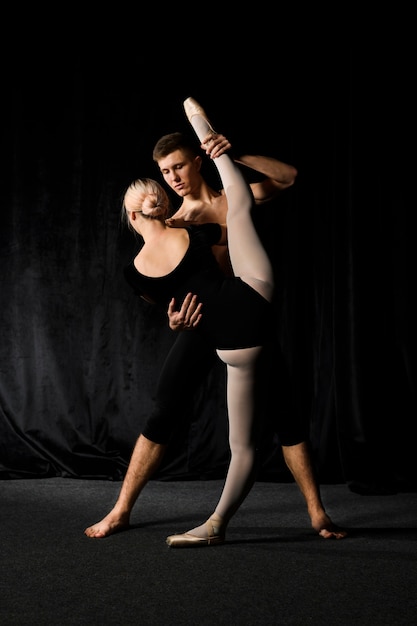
{"x": 201, "y": 212}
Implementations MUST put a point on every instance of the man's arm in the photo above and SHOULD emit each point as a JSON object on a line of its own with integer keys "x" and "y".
{"x": 278, "y": 175}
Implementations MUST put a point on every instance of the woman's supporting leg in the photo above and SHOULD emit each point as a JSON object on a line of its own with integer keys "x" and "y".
{"x": 241, "y": 393}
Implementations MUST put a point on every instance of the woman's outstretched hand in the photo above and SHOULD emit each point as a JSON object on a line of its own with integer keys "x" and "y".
{"x": 188, "y": 316}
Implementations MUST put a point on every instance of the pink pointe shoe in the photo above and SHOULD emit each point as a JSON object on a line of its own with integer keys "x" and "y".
{"x": 191, "y": 108}
{"x": 215, "y": 536}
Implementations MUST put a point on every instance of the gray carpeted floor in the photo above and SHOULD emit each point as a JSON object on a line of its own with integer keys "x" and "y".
{"x": 273, "y": 570}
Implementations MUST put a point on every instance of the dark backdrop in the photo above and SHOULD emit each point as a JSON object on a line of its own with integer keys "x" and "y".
{"x": 80, "y": 354}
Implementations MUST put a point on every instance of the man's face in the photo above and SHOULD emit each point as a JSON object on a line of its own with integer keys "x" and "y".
{"x": 181, "y": 172}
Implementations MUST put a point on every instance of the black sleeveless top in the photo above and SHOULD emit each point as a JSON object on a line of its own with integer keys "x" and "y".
{"x": 234, "y": 315}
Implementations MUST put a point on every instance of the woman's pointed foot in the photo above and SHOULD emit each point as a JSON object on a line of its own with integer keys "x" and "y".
{"x": 213, "y": 534}
{"x": 192, "y": 108}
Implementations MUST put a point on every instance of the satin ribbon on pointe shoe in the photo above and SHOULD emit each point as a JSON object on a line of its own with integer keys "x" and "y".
{"x": 214, "y": 537}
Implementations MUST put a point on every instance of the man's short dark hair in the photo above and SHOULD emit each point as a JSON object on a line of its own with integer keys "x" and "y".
{"x": 174, "y": 141}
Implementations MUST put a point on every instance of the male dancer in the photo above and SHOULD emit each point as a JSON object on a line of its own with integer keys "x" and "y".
{"x": 180, "y": 166}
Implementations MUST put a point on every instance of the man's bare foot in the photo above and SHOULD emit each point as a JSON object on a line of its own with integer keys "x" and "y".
{"x": 109, "y": 525}
{"x": 326, "y": 529}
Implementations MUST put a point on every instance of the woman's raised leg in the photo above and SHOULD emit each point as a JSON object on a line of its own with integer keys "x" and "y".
{"x": 247, "y": 255}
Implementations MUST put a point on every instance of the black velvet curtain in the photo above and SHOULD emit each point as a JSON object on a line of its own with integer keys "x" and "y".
{"x": 80, "y": 354}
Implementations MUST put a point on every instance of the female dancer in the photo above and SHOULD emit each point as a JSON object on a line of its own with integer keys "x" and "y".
{"x": 176, "y": 262}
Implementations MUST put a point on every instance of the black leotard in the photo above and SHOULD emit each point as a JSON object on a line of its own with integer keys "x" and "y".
{"x": 193, "y": 354}
{"x": 234, "y": 314}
